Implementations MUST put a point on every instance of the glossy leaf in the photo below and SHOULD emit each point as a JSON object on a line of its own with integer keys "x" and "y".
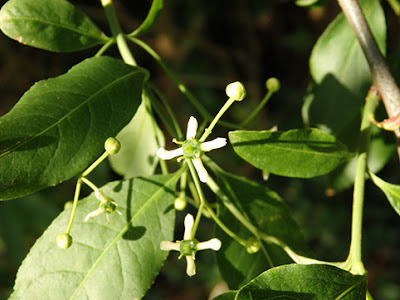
{"x": 267, "y": 211}
{"x": 301, "y": 153}
{"x": 151, "y": 18}
{"x": 140, "y": 140}
{"x": 392, "y": 191}
{"x": 59, "y": 126}
{"x": 305, "y": 282}
{"x": 118, "y": 260}
{"x": 341, "y": 75}
{"x": 54, "y": 25}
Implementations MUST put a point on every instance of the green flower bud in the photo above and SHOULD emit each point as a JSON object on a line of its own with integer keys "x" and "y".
{"x": 112, "y": 146}
{"x": 67, "y": 205}
{"x": 180, "y": 204}
{"x": 253, "y": 245}
{"x": 273, "y": 84}
{"x": 64, "y": 240}
{"x": 236, "y": 90}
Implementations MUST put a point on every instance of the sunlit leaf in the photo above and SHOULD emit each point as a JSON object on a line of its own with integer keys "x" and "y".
{"x": 118, "y": 260}
{"x": 305, "y": 282}
{"x": 295, "y": 153}
{"x": 140, "y": 140}
{"x": 59, "y": 126}
{"x": 54, "y": 25}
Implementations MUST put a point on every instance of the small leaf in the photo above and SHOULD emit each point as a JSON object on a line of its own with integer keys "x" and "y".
{"x": 151, "y": 18}
{"x": 392, "y": 191}
{"x": 268, "y": 212}
{"x": 305, "y": 282}
{"x": 115, "y": 261}
{"x": 342, "y": 78}
{"x": 54, "y": 25}
{"x": 59, "y": 125}
{"x": 140, "y": 140}
{"x": 301, "y": 153}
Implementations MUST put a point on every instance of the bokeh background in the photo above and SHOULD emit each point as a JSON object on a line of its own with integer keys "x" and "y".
{"x": 210, "y": 44}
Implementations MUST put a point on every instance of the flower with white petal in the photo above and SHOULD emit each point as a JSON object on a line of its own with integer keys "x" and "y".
{"x": 189, "y": 245}
{"x": 192, "y": 149}
{"x": 106, "y": 205}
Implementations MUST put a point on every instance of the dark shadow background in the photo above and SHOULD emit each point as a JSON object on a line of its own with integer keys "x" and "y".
{"x": 210, "y": 44}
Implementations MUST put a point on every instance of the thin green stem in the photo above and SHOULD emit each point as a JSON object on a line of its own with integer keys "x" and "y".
{"x": 117, "y": 33}
{"x": 95, "y": 164}
{"x": 395, "y": 6}
{"x": 178, "y": 133}
{"x": 74, "y": 205}
{"x": 223, "y": 109}
{"x": 200, "y": 194}
{"x": 89, "y": 183}
{"x": 355, "y": 257}
{"x": 258, "y": 108}
{"x": 196, "y": 103}
{"x": 124, "y": 50}
{"x": 105, "y": 47}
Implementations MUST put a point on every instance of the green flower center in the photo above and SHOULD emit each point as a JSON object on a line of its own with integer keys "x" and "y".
{"x": 188, "y": 247}
{"x": 107, "y": 206}
{"x": 191, "y": 149}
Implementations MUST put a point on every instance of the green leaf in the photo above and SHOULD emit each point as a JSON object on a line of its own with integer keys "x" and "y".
{"x": 226, "y": 296}
{"x": 268, "y": 212}
{"x": 379, "y": 153}
{"x": 151, "y": 18}
{"x": 140, "y": 140}
{"x": 342, "y": 78}
{"x": 305, "y": 282}
{"x": 59, "y": 125}
{"x": 392, "y": 191}
{"x": 301, "y": 153}
{"x": 115, "y": 261}
{"x": 54, "y": 25}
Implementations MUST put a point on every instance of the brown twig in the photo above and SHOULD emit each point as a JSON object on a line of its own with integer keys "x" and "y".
{"x": 381, "y": 76}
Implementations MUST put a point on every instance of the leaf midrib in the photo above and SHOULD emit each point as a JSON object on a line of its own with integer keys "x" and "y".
{"x": 306, "y": 151}
{"x": 101, "y": 36}
{"x": 123, "y": 231}
{"x": 16, "y": 146}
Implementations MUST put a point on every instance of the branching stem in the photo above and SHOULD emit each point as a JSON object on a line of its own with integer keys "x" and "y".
{"x": 381, "y": 76}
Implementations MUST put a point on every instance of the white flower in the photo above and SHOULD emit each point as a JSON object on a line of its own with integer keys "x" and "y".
{"x": 189, "y": 245}
{"x": 192, "y": 149}
{"x": 106, "y": 205}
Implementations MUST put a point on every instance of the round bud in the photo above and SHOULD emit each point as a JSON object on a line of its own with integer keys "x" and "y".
{"x": 67, "y": 205}
{"x": 253, "y": 245}
{"x": 273, "y": 84}
{"x": 64, "y": 240}
{"x": 236, "y": 91}
{"x": 112, "y": 146}
{"x": 180, "y": 204}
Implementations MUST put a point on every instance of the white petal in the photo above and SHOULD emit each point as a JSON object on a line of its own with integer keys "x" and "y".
{"x": 214, "y": 244}
{"x": 93, "y": 214}
{"x": 191, "y": 128}
{"x": 201, "y": 171}
{"x": 167, "y": 246}
{"x": 214, "y": 144}
{"x": 190, "y": 266}
{"x": 189, "y": 222}
{"x": 165, "y": 154}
